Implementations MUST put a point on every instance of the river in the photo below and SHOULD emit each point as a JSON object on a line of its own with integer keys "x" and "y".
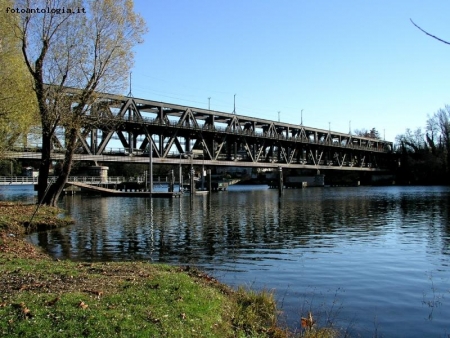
{"x": 373, "y": 261}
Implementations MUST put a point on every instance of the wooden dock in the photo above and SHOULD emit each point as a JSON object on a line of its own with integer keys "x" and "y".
{"x": 118, "y": 193}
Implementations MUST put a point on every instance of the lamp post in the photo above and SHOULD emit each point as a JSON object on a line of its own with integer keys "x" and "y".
{"x": 234, "y": 105}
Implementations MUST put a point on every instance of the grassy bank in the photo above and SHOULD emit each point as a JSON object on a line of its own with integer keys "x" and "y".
{"x": 41, "y": 297}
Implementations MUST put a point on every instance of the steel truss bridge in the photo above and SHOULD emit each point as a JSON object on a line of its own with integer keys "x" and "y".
{"x": 185, "y": 135}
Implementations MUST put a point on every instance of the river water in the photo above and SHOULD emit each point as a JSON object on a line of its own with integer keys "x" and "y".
{"x": 373, "y": 261}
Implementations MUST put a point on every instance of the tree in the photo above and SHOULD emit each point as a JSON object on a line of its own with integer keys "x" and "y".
{"x": 85, "y": 44}
{"x": 18, "y": 108}
{"x": 373, "y": 133}
{"x": 440, "y": 130}
{"x": 425, "y": 156}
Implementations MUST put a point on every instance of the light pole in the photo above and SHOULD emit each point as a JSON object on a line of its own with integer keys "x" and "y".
{"x": 209, "y": 103}
{"x": 234, "y": 107}
{"x": 301, "y": 117}
{"x": 279, "y": 116}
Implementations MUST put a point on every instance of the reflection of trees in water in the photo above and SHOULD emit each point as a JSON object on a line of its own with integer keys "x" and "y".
{"x": 223, "y": 226}
{"x": 430, "y": 213}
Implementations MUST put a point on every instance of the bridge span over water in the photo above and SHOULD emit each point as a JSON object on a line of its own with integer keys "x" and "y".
{"x": 123, "y": 129}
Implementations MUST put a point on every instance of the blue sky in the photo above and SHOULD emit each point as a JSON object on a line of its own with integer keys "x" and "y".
{"x": 339, "y": 61}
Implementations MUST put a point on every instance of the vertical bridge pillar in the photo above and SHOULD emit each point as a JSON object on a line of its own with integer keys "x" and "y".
{"x": 280, "y": 180}
{"x": 208, "y": 176}
{"x": 172, "y": 181}
{"x": 192, "y": 182}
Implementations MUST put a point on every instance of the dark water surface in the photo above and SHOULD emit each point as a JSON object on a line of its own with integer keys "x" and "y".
{"x": 372, "y": 260}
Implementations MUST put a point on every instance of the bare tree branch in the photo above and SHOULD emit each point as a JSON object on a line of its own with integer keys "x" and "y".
{"x": 433, "y": 36}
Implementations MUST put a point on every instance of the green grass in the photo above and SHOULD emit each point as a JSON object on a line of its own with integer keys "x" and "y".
{"x": 20, "y": 218}
{"x": 41, "y": 297}
{"x": 134, "y": 299}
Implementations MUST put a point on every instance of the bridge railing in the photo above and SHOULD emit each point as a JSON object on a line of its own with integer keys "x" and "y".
{"x": 93, "y": 179}
{"x": 17, "y": 180}
{"x": 21, "y": 180}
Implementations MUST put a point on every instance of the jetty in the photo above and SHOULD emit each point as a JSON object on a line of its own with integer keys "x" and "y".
{"x": 119, "y": 193}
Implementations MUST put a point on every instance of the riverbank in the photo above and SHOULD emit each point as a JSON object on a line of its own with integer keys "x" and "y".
{"x": 41, "y": 295}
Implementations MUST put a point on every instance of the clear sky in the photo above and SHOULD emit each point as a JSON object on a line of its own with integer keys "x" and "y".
{"x": 339, "y": 61}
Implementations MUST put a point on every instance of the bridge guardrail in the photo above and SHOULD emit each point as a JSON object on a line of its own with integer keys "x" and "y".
{"x": 17, "y": 180}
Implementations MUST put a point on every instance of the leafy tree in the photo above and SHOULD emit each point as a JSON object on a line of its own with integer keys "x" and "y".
{"x": 87, "y": 46}
{"x": 18, "y": 108}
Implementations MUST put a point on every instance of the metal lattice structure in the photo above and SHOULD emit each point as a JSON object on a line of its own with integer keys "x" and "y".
{"x": 212, "y": 138}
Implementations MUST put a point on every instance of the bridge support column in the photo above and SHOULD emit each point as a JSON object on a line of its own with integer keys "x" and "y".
{"x": 280, "y": 180}
{"x": 172, "y": 181}
{"x": 192, "y": 182}
{"x": 208, "y": 175}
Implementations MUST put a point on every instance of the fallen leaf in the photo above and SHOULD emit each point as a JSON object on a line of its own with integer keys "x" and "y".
{"x": 26, "y": 312}
{"x": 308, "y": 322}
{"x": 83, "y": 305}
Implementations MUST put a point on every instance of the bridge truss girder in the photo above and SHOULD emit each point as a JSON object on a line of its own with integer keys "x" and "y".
{"x": 217, "y": 138}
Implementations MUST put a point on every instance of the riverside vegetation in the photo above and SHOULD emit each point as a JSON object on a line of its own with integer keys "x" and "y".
{"x": 42, "y": 297}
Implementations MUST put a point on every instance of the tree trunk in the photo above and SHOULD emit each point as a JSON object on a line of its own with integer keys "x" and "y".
{"x": 44, "y": 167}
{"x": 58, "y": 187}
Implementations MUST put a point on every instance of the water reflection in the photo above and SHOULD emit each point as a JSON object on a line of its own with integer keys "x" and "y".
{"x": 379, "y": 244}
{"x": 204, "y": 227}
{"x": 14, "y": 193}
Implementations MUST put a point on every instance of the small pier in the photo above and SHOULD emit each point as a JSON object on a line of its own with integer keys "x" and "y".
{"x": 119, "y": 193}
